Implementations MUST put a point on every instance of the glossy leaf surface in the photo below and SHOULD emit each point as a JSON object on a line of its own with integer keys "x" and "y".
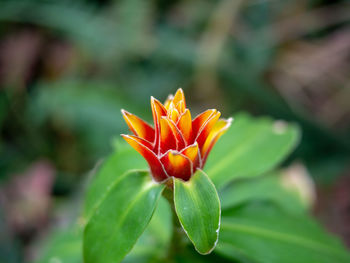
{"x": 265, "y": 188}
{"x": 263, "y": 234}
{"x": 197, "y": 205}
{"x": 120, "y": 162}
{"x": 153, "y": 244}
{"x": 249, "y": 148}
{"x": 120, "y": 218}
{"x": 65, "y": 245}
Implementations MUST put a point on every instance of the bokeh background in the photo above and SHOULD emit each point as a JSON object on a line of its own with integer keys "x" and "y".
{"x": 68, "y": 67}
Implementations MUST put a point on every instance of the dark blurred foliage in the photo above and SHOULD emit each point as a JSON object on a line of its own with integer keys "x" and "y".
{"x": 68, "y": 67}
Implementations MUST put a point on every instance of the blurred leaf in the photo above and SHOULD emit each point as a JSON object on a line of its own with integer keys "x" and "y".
{"x": 79, "y": 22}
{"x": 250, "y": 148}
{"x": 62, "y": 246}
{"x": 263, "y": 234}
{"x": 9, "y": 250}
{"x": 103, "y": 34}
{"x": 133, "y": 25}
{"x": 329, "y": 170}
{"x": 266, "y": 188}
{"x": 120, "y": 218}
{"x": 4, "y": 108}
{"x": 80, "y": 105}
{"x": 91, "y": 110}
{"x": 197, "y": 205}
{"x": 123, "y": 160}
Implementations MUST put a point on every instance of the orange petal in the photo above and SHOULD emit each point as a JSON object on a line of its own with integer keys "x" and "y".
{"x": 219, "y": 129}
{"x": 142, "y": 147}
{"x": 168, "y": 139}
{"x": 158, "y": 111}
{"x": 168, "y": 101}
{"x": 173, "y": 113}
{"x": 179, "y": 96}
{"x": 185, "y": 125}
{"x": 192, "y": 153}
{"x": 200, "y": 120}
{"x": 138, "y": 140}
{"x": 206, "y": 129}
{"x": 177, "y": 165}
{"x": 138, "y": 126}
{"x": 181, "y": 107}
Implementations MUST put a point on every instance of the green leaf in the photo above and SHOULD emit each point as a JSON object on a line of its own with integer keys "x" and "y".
{"x": 153, "y": 244}
{"x": 120, "y": 218}
{"x": 264, "y": 234}
{"x": 63, "y": 245}
{"x": 114, "y": 167}
{"x": 90, "y": 110}
{"x": 249, "y": 148}
{"x": 266, "y": 188}
{"x": 197, "y": 206}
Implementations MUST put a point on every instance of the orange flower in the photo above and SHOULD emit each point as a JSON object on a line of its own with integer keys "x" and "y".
{"x": 177, "y": 145}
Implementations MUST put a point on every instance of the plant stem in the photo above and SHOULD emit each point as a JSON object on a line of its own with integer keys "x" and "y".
{"x": 176, "y": 243}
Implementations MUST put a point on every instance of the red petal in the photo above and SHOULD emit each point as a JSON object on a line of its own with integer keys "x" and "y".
{"x": 138, "y": 126}
{"x": 142, "y": 147}
{"x": 177, "y": 165}
{"x": 185, "y": 125}
{"x": 206, "y": 129}
{"x": 179, "y": 138}
{"x": 168, "y": 139}
{"x": 219, "y": 129}
{"x": 158, "y": 111}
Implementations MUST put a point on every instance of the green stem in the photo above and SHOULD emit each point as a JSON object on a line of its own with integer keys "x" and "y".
{"x": 177, "y": 238}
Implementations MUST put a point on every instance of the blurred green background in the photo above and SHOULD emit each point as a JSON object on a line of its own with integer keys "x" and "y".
{"x": 68, "y": 67}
